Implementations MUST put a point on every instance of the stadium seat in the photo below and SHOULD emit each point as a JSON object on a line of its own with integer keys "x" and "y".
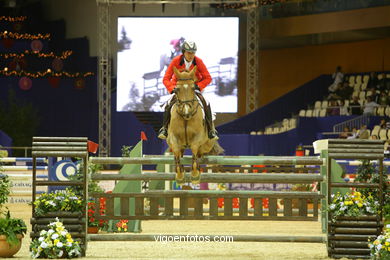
{"x": 309, "y": 113}
{"x": 357, "y": 87}
{"x": 316, "y": 112}
{"x": 387, "y": 111}
{"x": 352, "y": 80}
{"x": 302, "y": 113}
{"x": 366, "y": 78}
{"x": 346, "y": 102}
{"x": 375, "y": 130}
{"x": 323, "y": 112}
{"x": 324, "y": 104}
{"x": 317, "y": 104}
{"x": 293, "y": 123}
{"x": 363, "y": 86}
{"x": 383, "y": 134}
{"x": 359, "y": 79}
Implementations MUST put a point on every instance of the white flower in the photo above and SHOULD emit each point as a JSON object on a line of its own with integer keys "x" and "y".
{"x": 43, "y": 244}
{"x": 59, "y": 244}
{"x": 69, "y": 244}
{"x": 61, "y": 253}
{"x": 343, "y": 208}
{"x": 388, "y": 226}
{"x": 50, "y": 231}
{"x": 43, "y": 232}
{"x": 73, "y": 198}
{"x": 332, "y": 206}
{"x": 63, "y": 233}
{"x": 342, "y": 204}
{"x": 54, "y": 236}
{"x": 41, "y": 239}
{"x": 52, "y": 203}
{"x": 378, "y": 247}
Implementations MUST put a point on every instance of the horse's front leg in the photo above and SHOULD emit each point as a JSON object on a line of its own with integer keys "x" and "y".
{"x": 195, "y": 173}
{"x": 179, "y": 168}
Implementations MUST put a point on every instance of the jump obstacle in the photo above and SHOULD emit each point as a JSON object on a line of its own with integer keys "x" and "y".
{"x": 130, "y": 204}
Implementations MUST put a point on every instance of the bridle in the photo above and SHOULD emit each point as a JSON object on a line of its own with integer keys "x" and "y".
{"x": 190, "y": 102}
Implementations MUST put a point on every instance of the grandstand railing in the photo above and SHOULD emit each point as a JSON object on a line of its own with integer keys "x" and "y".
{"x": 356, "y": 122}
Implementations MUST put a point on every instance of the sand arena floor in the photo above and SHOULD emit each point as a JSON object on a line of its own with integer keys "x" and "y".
{"x": 201, "y": 250}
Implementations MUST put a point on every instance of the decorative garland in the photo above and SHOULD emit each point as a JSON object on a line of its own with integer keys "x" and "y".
{"x": 13, "y": 19}
{"x": 46, "y": 73}
{"x": 24, "y": 36}
{"x": 63, "y": 56}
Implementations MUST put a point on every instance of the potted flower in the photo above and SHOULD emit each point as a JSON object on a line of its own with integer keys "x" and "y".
{"x": 352, "y": 205}
{"x": 380, "y": 247}
{"x": 95, "y": 225}
{"x": 56, "y": 242}
{"x": 12, "y": 230}
{"x": 352, "y": 213}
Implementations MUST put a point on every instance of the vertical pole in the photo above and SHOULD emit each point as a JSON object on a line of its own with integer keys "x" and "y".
{"x": 34, "y": 187}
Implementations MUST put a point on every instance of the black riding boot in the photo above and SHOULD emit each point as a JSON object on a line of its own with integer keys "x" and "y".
{"x": 163, "y": 133}
{"x": 213, "y": 134}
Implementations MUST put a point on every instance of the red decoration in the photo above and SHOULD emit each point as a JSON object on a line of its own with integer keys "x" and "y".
{"x": 36, "y": 45}
{"x": 57, "y": 64}
{"x": 25, "y": 83}
{"x": 54, "y": 81}
{"x": 92, "y": 147}
{"x": 79, "y": 83}
{"x": 7, "y": 42}
{"x": 143, "y": 136}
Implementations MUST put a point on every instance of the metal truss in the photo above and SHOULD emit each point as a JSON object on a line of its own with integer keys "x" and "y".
{"x": 105, "y": 67}
{"x": 104, "y": 78}
{"x": 252, "y": 59}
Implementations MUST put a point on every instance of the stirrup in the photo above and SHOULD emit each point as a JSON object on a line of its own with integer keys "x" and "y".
{"x": 163, "y": 134}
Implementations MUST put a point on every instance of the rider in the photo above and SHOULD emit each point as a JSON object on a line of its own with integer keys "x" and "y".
{"x": 186, "y": 61}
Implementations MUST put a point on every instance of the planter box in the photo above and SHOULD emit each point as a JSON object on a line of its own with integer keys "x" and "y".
{"x": 74, "y": 222}
{"x": 348, "y": 236}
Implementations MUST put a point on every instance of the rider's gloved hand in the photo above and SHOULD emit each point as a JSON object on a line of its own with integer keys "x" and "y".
{"x": 197, "y": 89}
{"x": 173, "y": 91}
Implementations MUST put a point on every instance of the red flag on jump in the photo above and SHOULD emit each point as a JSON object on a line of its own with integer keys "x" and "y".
{"x": 143, "y": 136}
{"x": 92, "y": 147}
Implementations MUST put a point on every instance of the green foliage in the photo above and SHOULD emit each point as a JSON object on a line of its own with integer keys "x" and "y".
{"x": 367, "y": 173}
{"x": 126, "y": 150}
{"x": 352, "y": 205}
{"x": 19, "y": 120}
{"x": 5, "y": 186}
{"x": 93, "y": 186}
{"x": 11, "y": 227}
{"x": 58, "y": 201}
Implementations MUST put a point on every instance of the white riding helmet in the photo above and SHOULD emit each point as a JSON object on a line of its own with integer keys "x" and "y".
{"x": 188, "y": 46}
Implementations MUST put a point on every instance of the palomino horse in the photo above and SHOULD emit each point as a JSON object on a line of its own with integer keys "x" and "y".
{"x": 187, "y": 128}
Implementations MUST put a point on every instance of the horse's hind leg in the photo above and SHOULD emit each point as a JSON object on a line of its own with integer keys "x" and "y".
{"x": 179, "y": 169}
{"x": 195, "y": 173}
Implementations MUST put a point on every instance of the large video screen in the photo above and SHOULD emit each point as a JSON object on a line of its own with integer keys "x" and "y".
{"x": 146, "y": 45}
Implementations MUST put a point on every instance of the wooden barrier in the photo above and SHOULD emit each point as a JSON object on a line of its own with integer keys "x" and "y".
{"x": 342, "y": 240}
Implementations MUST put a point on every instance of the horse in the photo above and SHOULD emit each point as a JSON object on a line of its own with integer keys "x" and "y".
{"x": 187, "y": 128}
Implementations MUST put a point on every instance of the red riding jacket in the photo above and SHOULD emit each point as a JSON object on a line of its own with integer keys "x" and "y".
{"x": 202, "y": 74}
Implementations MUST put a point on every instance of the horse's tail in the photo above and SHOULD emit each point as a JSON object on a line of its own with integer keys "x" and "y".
{"x": 216, "y": 150}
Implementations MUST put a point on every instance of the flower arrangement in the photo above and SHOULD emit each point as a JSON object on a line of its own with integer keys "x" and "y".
{"x": 122, "y": 225}
{"x": 352, "y": 205}
{"x": 380, "y": 247}
{"x": 58, "y": 201}
{"x": 55, "y": 243}
{"x": 92, "y": 222}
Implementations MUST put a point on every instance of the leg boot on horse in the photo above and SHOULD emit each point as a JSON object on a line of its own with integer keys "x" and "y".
{"x": 212, "y": 133}
{"x": 163, "y": 133}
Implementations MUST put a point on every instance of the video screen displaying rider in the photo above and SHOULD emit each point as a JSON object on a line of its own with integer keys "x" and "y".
{"x": 146, "y": 46}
